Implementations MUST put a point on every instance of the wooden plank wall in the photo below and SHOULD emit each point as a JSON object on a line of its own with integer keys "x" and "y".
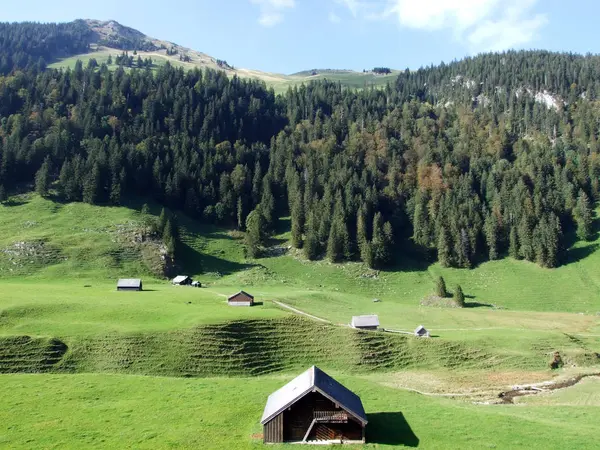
{"x": 273, "y": 430}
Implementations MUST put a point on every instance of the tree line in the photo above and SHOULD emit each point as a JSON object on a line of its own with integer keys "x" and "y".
{"x": 364, "y": 175}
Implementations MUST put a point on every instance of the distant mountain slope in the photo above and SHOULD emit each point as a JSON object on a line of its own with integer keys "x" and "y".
{"x": 62, "y": 45}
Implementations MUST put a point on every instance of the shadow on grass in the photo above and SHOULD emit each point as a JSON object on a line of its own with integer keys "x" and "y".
{"x": 579, "y": 253}
{"x": 196, "y": 262}
{"x": 258, "y": 304}
{"x": 477, "y": 305}
{"x": 390, "y": 428}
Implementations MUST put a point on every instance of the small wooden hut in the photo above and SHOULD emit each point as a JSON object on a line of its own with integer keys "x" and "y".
{"x": 182, "y": 280}
{"x": 240, "y": 299}
{"x": 129, "y": 284}
{"x": 365, "y": 322}
{"x": 421, "y": 331}
{"x": 314, "y": 407}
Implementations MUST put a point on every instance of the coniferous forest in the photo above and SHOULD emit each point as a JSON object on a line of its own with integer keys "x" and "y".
{"x": 482, "y": 158}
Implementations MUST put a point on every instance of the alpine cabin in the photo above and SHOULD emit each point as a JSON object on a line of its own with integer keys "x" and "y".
{"x": 129, "y": 284}
{"x": 314, "y": 408}
{"x": 365, "y": 322}
{"x": 421, "y": 331}
{"x": 182, "y": 280}
{"x": 240, "y": 299}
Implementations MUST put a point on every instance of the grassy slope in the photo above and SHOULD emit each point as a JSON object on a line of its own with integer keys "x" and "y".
{"x": 160, "y": 333}
{"x": 83, "y": 236}
{"x": 279, "y": 82}
{"x": 142, "y": 412}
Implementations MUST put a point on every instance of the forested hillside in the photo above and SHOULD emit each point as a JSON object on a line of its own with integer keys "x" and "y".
{"x": 486, "y": 157}
{"x": 33, "y": 45}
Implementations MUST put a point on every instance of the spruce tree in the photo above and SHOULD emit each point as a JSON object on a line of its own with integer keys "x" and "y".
{"x": 297, "y": 222}
{"x": 162, "y": 221}
{"x": 513, "y": 247}
{"x": 440, "y": 287}
{"x": 459, "y": 297}
{"x": 169, "y": 238}
{"x": 312, "y": 247}
{"x": 2, "y": 193}
{"x": 91, "y": 185}
{"x": 255, "y": 232}
{"x": 335, "y": 244}
{"x": 583, "y": 214}
{"x": 444, "y": 247}
{"x": 491, "y": 236}
{"x": 42, "y": 178}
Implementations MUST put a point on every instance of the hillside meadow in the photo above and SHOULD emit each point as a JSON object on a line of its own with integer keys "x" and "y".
{"x": 175, "y": 367}
{"x": 109, "y": 411}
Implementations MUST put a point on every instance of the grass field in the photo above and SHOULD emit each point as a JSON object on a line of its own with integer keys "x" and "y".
{"x": 112, "y": 411}
{"x": 85, "y": 366}
{"x": 279, "y": 82}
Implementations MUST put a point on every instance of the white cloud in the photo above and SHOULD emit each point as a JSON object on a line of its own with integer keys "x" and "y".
{"x": 271, "y": 11}
{"x": 479, "y": 24}
{"x": 353, "y": 5}
{"x": 334, "y": 18}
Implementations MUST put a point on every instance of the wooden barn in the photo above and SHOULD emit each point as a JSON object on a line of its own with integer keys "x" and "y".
{"x": 365, "y": 322}
{"x": 129, "y": 284}
{"x": 314, "y": 408}
{"x": 182, "y": 280}
{"x": 240, "y": 299}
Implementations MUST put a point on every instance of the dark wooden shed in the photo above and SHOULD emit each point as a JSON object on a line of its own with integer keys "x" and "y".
{"x": 241, "y": 299}
{"x": 313, "y": 407}
{"x": 129, "y": 284}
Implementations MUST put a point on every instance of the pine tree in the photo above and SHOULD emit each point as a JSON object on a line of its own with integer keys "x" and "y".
{"x": 524, "y": 234}
{"x": 491, "y": 236}
{"x": 362, "y": 239}
{"x": 255, "y": 232}
{"x": 297, "y": 222}
{"x": 513, "y": 247}
{"x": 115, "y": 190}
{"x": 583, "y": 214}
{"x": 240, "y": 214}
{"x": 162, "y": 221}
{"x": 42, "y": 178}
{"x": 337, "y": 242}
{"x": 444, "y": 247}
{"x": 440, "y": 287}
{"x": 2, "y": 193}
{"x": 169, "y": 238}
{"x": 459, "y": 297}
{"x": 267, "y": 204}
{"x": 312, "y": 247}
{"x": 91, "y": 186}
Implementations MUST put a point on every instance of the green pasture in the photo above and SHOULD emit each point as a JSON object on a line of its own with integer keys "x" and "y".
{"x": 115, "y": 411}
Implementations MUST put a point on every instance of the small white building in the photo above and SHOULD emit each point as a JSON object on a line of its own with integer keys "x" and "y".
{"x": 365, "y": 322}
{"x": 421, "y": 331}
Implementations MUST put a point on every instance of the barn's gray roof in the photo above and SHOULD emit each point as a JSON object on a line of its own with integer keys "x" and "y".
{"x": 180, "y": 278}
{"x": 241, "y": 292}
{"x": 314, "y": 379}
{"x": 365, "y": 321}
{"x": 129, "y": 282}
{"x": 420, "y": 329}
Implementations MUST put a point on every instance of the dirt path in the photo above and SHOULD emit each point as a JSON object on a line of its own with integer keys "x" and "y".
{"x": 297, "y": 311}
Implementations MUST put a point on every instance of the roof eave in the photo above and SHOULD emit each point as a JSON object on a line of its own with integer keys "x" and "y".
{"x": 287, "y": 405}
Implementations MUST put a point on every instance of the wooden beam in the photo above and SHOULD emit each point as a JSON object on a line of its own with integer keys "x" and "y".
{"x": 312, "y": 424}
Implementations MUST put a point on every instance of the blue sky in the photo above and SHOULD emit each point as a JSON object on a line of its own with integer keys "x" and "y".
{"x": 291, "y": 35}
